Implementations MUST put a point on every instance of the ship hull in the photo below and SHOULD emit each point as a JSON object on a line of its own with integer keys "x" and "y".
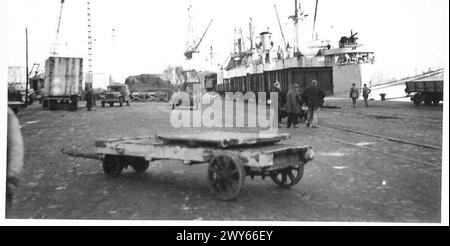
{"x": 335, "y": 80}
{"x": 345, "y": 76}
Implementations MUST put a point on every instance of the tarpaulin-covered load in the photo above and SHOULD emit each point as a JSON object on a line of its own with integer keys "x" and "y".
{"x": 148, "y": 83}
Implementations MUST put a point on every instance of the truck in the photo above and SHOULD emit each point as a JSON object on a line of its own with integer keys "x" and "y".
{"x": 117, "y": 93}
{"x": 17, "y": 92}
{"x": 428, "y": 90}
{"x": 63, "y": 83}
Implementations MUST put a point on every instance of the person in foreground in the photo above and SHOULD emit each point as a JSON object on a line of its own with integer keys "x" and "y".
{"x": 314, "y": 98}
{"x": 15, "y": 155}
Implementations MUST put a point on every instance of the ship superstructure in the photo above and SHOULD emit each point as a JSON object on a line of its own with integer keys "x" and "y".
{"x": 258, "y": 68}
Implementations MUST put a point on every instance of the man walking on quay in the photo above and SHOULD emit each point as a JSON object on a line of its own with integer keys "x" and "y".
{"x": 354, "y": 94}
{"x": 293, "y": 106}
{"x": 281, "y": 99}
{"x": 314, "y": 97}
{"x": 366, "y": 92}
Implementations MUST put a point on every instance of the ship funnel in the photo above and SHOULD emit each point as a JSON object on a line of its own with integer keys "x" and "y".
{"x": 266, "y": 40}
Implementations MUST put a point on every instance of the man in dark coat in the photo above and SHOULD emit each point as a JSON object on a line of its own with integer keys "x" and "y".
{"x": 293, "y": 106}
{"x": 74, "y": 102}
{"x": 89, "y": 99}
{"x": 354, "y": 94}
{"x": 314, "y": 98}
{"x": 281, "y": 100}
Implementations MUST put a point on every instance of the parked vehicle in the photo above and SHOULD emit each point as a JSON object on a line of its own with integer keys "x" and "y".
{"x": 428, "y": 90}
{"x": 63, "y": 82}
{"x": 118, "y": 93}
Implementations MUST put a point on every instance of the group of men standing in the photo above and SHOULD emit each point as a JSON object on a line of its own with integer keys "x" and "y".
{"x": 294, "y": 100}
{"x": 290, "y": 105}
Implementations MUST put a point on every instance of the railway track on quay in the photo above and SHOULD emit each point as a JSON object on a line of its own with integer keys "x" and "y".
{"x": 391, "y": 116}
{"x": 397, "y": 140}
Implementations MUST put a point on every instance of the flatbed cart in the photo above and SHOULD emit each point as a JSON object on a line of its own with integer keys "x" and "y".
{"x": 231, "y": 157}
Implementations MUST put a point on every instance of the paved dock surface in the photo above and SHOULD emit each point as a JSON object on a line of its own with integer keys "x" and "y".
{"x": 375, "y": 164}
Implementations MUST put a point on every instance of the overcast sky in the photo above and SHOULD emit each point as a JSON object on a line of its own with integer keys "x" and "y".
{"x": 406, "y": 35}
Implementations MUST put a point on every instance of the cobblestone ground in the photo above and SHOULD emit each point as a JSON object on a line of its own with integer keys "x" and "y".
{"x": 355, "y": 176}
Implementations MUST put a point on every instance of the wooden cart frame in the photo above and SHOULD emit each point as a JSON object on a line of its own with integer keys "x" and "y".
{"x": 230, "y": 159}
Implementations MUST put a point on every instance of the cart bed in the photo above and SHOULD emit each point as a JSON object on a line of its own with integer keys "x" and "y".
{"x": 223, "y": 139}
{"x": 248, "y": 147}
{"x": 231, "y": 157}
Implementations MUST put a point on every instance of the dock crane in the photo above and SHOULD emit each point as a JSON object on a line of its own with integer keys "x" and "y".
{"x": 189, "y": 51}
{"x": 55, "y": 44}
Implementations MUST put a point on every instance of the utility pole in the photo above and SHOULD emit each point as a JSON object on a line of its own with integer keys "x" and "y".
{"x": 89, "y": 80}
{"x": 26, "y": 75}
{"x": 111, "y": 79}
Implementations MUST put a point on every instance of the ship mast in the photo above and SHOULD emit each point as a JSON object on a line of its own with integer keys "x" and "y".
{"x": 298, "y": 15}
{"x": 281, "y": 28}
{"x": 250, "y": 27}
{"x": 295, "y": 19}
{"x": 314, "y": 25}
{"x": 241, "y": 37}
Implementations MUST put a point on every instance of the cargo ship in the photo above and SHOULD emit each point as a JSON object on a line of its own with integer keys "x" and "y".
{"x": 259, "y": 67}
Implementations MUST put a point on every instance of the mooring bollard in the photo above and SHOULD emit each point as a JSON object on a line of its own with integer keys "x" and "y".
{"x": 383, "y": 96}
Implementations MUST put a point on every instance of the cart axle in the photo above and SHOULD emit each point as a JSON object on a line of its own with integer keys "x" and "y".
{"x": 79, "y": 154}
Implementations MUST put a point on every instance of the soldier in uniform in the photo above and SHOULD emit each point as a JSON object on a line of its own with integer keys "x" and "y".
{"x": 354, "y": 94}
{"x": 366, "y": 92}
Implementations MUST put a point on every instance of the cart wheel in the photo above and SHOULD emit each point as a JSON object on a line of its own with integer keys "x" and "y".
{"x": 288, "y": 177}
{"x": 112, "y": 166}
{"x": 226, "y": 177}
{"x": 139, "y": 164}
